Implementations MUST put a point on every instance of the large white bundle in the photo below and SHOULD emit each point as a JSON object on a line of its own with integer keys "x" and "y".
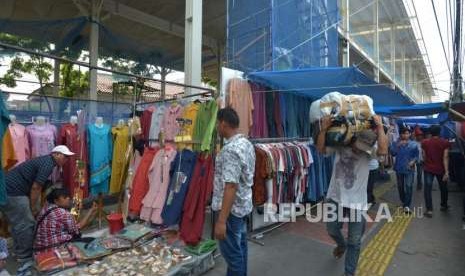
{"x": 351, "y": 106}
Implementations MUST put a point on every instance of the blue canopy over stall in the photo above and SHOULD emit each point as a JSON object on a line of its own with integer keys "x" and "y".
{"x": 317, "y": 82}
{"x": 412, "y": 110}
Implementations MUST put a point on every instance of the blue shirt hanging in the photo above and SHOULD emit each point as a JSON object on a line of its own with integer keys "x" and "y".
{"x": 181, "y": 175}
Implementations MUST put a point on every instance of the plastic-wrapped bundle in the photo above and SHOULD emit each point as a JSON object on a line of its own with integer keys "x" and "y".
{"x": 350, "y": 113}
{"x": 359, "y": 107}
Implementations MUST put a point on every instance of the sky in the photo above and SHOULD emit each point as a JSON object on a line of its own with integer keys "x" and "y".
{"x": 431, "y": 37}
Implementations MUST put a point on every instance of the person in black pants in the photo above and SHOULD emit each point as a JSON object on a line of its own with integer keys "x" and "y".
{"x": 372, "y": 177}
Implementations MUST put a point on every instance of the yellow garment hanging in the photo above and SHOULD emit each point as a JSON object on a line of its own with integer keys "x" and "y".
{"x": 189, "y": 113}
{"x": 120, "y": 145}
{"x": 8, "y": 152}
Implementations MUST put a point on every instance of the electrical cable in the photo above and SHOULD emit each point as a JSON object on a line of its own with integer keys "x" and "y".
{"x": 440, "y": 34}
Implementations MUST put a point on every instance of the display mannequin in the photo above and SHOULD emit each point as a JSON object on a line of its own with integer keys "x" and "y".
{"x": 40, "y": 120}
{"x": 73, "y": 120}
{"x": 13, "y": 119}
{"x": 99, "y": 122}
{"x": 121, "y": 123}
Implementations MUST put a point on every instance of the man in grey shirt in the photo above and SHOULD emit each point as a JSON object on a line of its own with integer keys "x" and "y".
{"x": 232, "y": 192}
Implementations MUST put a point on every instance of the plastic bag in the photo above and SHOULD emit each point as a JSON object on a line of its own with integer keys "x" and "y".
{"x": 359, "y": 107}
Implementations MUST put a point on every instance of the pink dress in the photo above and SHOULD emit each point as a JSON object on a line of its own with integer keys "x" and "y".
{"x": 159, "y": 179}
{"x": 42, "y": 139}
{"x": 20, "y": 142}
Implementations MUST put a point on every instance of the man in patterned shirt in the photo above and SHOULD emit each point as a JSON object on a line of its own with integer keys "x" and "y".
{"x": 232, "y": 192}
{"x": 55, "y": 224}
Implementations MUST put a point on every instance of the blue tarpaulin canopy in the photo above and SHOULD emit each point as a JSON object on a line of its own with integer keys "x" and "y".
{"x": 317, "y": 82}
{"x": 412, "y": 110}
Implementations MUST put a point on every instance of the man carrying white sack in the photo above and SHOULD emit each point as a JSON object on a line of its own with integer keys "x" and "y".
{"x": 348, "y": 186}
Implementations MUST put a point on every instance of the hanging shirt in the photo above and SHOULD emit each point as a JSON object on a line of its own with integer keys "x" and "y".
{"x": 119, "y": 161}
{"x": 259, "y": 191}
{"x": 100, "y": 153}
{"x": 9, "y": 159}
{"x": 42, "y": 139}
{"x": 20, "y": 142}
{"x": 190, "y": 113}
{"x": 260, "y": 126}
{"x": 159, "y": 179}
{"x": 198, "y": 194}
{"x": 236, "y": 165}
{"x": 240, "y": 99}
{"x": 205, "y": 125}
{"x": 170, "y": 126}
{"x": 269, "y": 109}
{"x": 146, "y": 121}
{"x": 157, "y": 120}
{"x": 76, "y": 142}
{"x": 349, "y": 179}
{"x": 140, "y": 183}
{"x": 180, "y": 178}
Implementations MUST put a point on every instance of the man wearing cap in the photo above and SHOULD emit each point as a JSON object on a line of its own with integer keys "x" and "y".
{"x": 348, "y": 187}
{"x": 24, "y": 186}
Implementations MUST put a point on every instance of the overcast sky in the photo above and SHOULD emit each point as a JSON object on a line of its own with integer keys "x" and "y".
{"x": 433, "y": 41}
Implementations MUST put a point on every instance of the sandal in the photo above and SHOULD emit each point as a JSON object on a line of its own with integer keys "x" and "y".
{"x": 338, "y": 252}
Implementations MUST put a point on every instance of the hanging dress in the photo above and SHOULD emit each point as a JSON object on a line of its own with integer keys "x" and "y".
{"x": 76, "y": 142}
{"x": 100, "y": 152}
{"x": 119, "y": 161}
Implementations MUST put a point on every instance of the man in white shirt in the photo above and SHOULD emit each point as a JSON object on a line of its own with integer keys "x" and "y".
{"x": 348, "y": 187}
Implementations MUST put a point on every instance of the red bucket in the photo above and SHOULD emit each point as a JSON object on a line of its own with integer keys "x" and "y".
{"x": 115, "y": 223}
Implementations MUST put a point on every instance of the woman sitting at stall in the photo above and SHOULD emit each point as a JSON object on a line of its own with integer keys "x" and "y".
{"x": 55, "y": 224}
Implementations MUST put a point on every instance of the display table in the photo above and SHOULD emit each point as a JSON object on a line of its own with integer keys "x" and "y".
{"x": 148, "y": 253}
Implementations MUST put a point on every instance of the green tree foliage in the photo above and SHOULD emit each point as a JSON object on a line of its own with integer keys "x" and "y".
{"x": 72, "y": 81}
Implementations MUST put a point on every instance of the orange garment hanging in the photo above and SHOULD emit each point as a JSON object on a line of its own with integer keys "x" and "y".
{"x": 240, "y": 99}
{"x": 8, "y": 152}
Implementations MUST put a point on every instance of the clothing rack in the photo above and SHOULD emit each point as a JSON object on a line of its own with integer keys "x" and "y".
{"x": 204, "y": 94}
{"x": 280, "y": 140}
{"x": 269, "y": 228}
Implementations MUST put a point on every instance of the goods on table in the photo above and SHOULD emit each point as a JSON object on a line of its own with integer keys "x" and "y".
{"x": 152, "y": 259}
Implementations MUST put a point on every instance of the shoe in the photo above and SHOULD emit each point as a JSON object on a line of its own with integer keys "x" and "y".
{"x": 338, "y": 252}
{"x": 429, "y": 214}
{"x": 407, "y": 211}
{"x": 445, "y": 208}
{"x": 24, "y": 268}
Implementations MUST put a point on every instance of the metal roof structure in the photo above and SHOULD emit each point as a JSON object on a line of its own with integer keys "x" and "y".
{"x": 141, "y": 29}
{"x": 382, "y": 33}
{"x": 388, "y": 36}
